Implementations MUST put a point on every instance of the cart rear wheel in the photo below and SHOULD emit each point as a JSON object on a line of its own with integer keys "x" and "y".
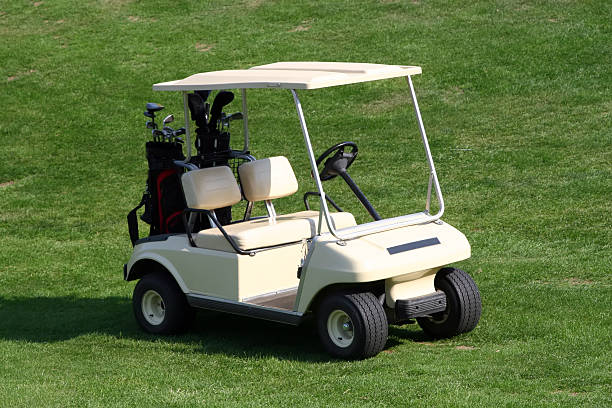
{"x": 159, "y": 304}
{"x": 153, "y": 307}
{"x": 352, "y": 326}
{"x": 463, "y": 305}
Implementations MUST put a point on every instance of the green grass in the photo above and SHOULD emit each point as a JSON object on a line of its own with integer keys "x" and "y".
{"x": 515, "y": 97}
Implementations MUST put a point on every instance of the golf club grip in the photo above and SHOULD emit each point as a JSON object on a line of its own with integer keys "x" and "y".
{"x": 222, "y": 99}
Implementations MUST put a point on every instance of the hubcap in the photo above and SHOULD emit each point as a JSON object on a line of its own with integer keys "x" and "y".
{"x": 340, "y": 328}
{"x": 153, "y": 308}
{"x": 439, "y": 318}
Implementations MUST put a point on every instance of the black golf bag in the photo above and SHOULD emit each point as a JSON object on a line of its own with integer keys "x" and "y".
{"x": 163, "y": 199}
{"x": 213, "y": 146}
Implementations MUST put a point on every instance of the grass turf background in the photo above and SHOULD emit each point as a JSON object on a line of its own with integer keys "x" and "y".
{"x": 515, "y": 97}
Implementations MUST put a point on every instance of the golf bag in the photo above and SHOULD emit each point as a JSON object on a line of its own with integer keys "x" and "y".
{"x": 213, "y": 146}
{"x": 163, "y": 199}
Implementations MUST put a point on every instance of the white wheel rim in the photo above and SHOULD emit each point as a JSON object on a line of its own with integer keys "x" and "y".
{"x": 439, "y": 319}
{"x": 153, "y": 308}
{"x": 340, "y": 328}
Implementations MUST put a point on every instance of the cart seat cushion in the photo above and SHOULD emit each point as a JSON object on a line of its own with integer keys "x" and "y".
{"x": 267, "y": 179}
{"x": 210, "y": 188}
{"x": 258, "y": 233}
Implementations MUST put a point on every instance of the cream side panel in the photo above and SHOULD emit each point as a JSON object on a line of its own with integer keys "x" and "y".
{"x": 207, "y": 272}
{"x": 223, "y": 274}
{"x": 269, "y": 271}
{"x": 366, "y": 259}
{"x": 203, "y": 271}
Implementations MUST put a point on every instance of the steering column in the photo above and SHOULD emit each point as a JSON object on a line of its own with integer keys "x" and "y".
{"x": 337, "y": 163}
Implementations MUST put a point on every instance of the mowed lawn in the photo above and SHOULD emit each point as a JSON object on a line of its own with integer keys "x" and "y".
{"x": 516, "y": 99}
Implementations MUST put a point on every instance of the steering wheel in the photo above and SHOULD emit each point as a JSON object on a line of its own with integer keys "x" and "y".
{"x": 338, "y": 162}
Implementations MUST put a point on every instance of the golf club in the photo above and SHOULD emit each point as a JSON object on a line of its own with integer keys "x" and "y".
{"x": 226, "y": 119}
{"x": 223, "y": 98}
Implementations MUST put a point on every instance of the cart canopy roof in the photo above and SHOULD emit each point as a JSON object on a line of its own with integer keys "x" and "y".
{"x": 289, "y": 75}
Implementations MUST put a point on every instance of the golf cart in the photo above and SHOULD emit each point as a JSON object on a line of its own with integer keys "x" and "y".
{"x": 353, "y": 279}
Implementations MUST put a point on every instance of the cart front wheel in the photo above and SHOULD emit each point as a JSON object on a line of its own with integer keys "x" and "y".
{"x": 463, "y": 305}
{"x": 159, "y": 304}
{"x": 352, "y": 326}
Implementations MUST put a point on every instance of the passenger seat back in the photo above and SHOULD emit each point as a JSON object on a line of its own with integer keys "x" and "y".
{"x": 267, "y": 179}
{"x": 210, "y": 188}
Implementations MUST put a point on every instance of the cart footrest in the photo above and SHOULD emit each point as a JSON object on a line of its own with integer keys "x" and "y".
{"x": 421, "y": 306}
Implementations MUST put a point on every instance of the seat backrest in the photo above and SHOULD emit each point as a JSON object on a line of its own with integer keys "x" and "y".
{"x": 210, "y": 188}
{"x": 267, "y": 179}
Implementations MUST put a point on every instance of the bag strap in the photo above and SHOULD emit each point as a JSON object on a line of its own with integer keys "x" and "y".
{"x": 133, "y": 221}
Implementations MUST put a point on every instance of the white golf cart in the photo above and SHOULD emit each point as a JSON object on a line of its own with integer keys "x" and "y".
{"x": 354, "y": 279}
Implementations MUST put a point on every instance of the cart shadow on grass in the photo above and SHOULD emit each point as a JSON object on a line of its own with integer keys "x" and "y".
{"x": 56, "y": 319}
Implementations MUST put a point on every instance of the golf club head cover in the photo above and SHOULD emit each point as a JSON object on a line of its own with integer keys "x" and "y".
{"x": 203, "y": 94}
{"x": 197, "y": 109}
{"x": 223, "y": 98}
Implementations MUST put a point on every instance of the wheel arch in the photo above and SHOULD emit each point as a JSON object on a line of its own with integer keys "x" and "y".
{"x": 149, "y": 264}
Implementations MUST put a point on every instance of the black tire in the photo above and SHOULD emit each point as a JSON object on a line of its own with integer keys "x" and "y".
{"x": 367, "y": 330}
{"x": 463, "y": 305}
{"x": 159, "y": 304}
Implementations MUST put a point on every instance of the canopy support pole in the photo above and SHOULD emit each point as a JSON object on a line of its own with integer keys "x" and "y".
{"x": 187, "y": 125}
{"x": 380, "y": 225}
{"x": 432, "y": 170}
{"x": 315, "y": 172}
{"x": 245, "y": 120}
